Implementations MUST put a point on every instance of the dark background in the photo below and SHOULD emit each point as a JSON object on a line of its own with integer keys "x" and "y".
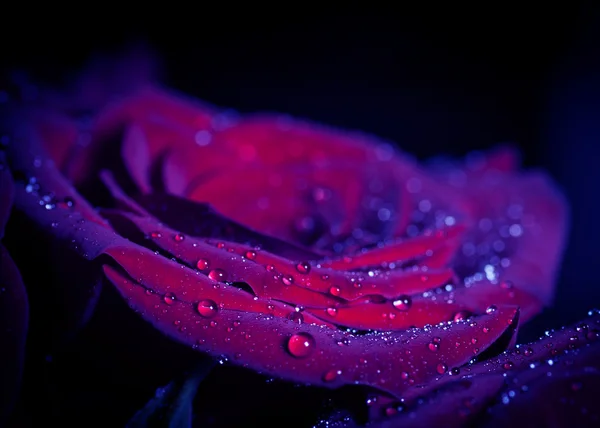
{"x": 439, "y": 80}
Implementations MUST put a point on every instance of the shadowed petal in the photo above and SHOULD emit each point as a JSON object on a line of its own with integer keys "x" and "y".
{"x": 14, "y": 315}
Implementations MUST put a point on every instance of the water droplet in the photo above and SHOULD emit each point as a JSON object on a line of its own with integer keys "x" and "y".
{"x": 270, "y": 307}
{"x": 335, "y": 291}
{"x": 296, "y": 317}
{"x": 202, "y": 264}
{"x": 491, "y": 309}
{"x": 207, "y": 308}
{"x": 434, "y": 345}
{"x": 287, "y": 280}
{"x": 250, "y": 254}
{"x": 442, "y": 368}
{"x": 404, "y": 375}
{"x": 169, "y": 298}
{"x": 331, "y": 375}
{"x": 528, "y": 352}
{"x": 178, "y": 237}
{"x": 155, "y": 235}
{"x": 474, "y": 341}
{"x": 402, "y": 303}
{"x": 461, "y": 316}
{"x": 301, "y": 345}
{"x": 332, "y": 312}
{"x": 303, "y": 267}
{"x": 213, "y": 323}
{"x": 508, "y": 365}
{"x": 393, "y": 409}
{"x": 217, "y": 275}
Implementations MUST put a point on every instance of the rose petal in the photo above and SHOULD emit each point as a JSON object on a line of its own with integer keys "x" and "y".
{"x": 248, "y": 339}
{"x": 201, "y": 220}
{"x": 456, "y": 405}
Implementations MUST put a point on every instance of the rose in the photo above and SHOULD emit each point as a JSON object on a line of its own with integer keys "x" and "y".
{"x": 309, "y": 232}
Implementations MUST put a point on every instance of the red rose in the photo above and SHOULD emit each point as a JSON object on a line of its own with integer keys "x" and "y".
{"x": 310, "y": 254}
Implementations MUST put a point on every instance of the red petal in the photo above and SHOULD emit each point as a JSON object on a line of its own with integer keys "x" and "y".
{"x": 262, "y": 342}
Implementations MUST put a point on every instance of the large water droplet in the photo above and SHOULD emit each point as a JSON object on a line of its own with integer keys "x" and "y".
{"x": 217, "y": 275}
{"x": 207, "y": 308}
{"x": 301, "y": 345}
{"x": 332, "y": 312}
{"x": 250, "y": 254}
{"x": 202, "y": 264}
{"x": 402, "y": 303}
{"x": 442, "y": 368}
{"x": 335, "y": 291}
{"x": 169, "y": 298}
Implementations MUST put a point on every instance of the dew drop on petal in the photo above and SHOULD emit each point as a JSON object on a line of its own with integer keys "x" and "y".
{"x": 331, "y": 375}
{"x": 155, "y": 235}
{"x": 207, "y": 308}
{"x": 335, "y": 291}
{"x": 402, "y": 303}
{"x": 178, "y": 237}
{"x": 434, "y": 345}
{"x": 202, "y": 264}
{"x": 296, "y": 317}
{"x": 461, "y": 316}
{"x": 303, "y": 267}
{"x": 491, "y": 309}
{"x": 250, "y": 254}
{"x": 508, "y": 365}
{"x": 442, "y": 368}
{"x": 217, "y": 275}
{"x": 393, "y": 409}
{"x": 332, "y": 312}
{"x": 169, "y": 298}
{"x": 301, "y": 345}
{"x": 287, "y": 280}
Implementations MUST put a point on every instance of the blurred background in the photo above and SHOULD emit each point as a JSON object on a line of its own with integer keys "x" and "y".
{"x": 434, "y": 80}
